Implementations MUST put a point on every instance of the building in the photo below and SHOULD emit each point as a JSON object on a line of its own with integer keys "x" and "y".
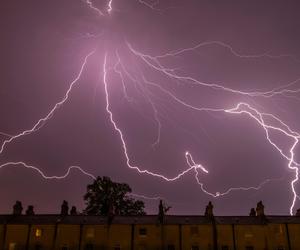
{"x": 207, "y": 232}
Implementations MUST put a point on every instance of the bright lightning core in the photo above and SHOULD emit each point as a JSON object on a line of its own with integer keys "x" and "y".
{"x": 123, "y": 63}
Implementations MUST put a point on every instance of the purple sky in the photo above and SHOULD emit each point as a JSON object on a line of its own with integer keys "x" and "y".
{"x": 43, "y": 45}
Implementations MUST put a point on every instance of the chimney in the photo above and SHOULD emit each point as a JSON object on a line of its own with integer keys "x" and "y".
{"x": 209, "y": 210}
{"x": 260, "y": 209}
{"x": 30, "y": 210}
{"x": 64, "y": 208}
{"x": 73, "y": 211}
{"x": 17, "y": 208}
{"x": 252, "y": 212}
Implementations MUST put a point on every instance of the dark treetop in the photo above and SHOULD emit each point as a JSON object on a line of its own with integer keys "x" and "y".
{"x": 105, "y": 197}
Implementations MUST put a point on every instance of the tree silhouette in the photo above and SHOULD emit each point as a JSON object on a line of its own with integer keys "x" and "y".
{"x": 105, "y": 197}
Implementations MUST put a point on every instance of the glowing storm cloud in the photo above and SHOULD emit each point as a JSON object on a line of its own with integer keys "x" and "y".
{"x": 113, "y": 63}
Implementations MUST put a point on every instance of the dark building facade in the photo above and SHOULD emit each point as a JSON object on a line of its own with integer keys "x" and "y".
{"x": 80, "y": 232}
{"x": 146, "y": 232}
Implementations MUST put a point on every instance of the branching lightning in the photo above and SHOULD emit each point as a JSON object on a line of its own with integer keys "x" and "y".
{"x": 41, "y": 122}
{"x": 267, "y": 121}
{"x": 97, "y": 10}
{"x": 125, "y": 150}
{"x": 23, "y": 164}
{"x": 190, "y": 161}
{"x": 152, "y": 5}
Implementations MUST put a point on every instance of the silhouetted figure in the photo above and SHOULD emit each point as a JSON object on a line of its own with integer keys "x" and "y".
{"x": 17, "y": 208}
{"x": 64, "y": 208}
{"x": 73, "y": 211}
{"x": 30, "y": 210}
{"x": 252, "y": 212}
{"x": 209, "y": 210}
{"x": 260, "y": 209}
{"x": 298, "y": 212}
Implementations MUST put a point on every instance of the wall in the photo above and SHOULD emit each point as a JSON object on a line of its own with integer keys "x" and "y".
{"x": 151, "y": 236}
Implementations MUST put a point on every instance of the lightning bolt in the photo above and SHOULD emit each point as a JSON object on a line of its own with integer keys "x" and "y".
{"x": 258, "y": 117}
{"x": 244, "y": 108}
{"x": 240, "y": 108}
{"x": 226, "y": 46}
{"x": 267, "y": 121}
{"x": 189, "y": 159}
{"x": 109, "y": 6}
{"x": 154, "y": 63}
{"x": 41, "y": 122}
{"x": 119, "y": 131}
{"x": 152, "y": 5}
{"x": 91, "y": 6}
{"x": 68, "y": 172}
{"x": 23, "y": 164}
{"x": 5, "y": 134}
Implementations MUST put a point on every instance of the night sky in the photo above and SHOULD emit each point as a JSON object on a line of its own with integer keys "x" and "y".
{"x": 245, "y": 47}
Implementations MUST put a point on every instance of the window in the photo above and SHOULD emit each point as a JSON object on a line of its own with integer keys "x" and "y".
{"x": 225, "y": 247}
{"x": 38, "y": 232}
{"x": 194, "y": 230}
{"x": 194, "y": 248}
{"x": 89, "y": 246}
{"x": 171, "y": 247}
{"x": 249, "y": 248}
{"x": 12, "y": 246}
{"x": 248, "y": 235}
{"x": 90, "y": 232}
{"x": 278, "y": 229}
{"x": 143, "y": 232}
